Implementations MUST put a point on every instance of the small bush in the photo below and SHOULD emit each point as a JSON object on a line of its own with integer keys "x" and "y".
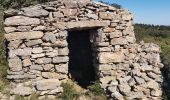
{"x": 96, "y": 92}
{"x": 69, "y": 92}
{"x": 96, "y": 89}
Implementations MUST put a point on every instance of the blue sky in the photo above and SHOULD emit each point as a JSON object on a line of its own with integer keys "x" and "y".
{"x": 147, "y": 11}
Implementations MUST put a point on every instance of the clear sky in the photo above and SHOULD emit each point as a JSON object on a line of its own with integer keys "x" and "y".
{"x": 147, "y": 11}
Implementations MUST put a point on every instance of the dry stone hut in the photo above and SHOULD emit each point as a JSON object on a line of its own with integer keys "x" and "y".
{"x": 82, "y": 40}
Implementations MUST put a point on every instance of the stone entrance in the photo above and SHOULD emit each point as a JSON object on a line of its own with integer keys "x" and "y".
{"x": 81, "y": 66}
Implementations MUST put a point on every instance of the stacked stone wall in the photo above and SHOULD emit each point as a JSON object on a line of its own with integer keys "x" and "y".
{"x": 38, "y": 50}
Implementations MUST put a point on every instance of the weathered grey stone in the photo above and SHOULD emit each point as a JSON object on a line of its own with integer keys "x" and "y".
{"x": 24, "y": 35}
{"x": 14, "y": 44}
{"x": 145, "y": 67}
{"x": 114, "y": 82}
{"x": 21, "y": 20}
{"x": 60, "y": 44}
{"x": 130, "y": 39}
{"x": 43, "y": 60}
{"x": 156, "y": 93}
{"x": 15, "y": 73}
{"x": 102, "y": 44}
{"x": 39, "y": 28}
{"x": 53, "y": 75}
{"x": 93, "y": 16}
{"x": 33, "y": 42}
{"x": 131, "y": 82}
{"x": 106, "y": 15}
{"x": 150, "y": 47}
{"x": 61, "y": 35}
{"x": 38, "y": 55}
{"x": 20, "y": 52}
{"x": 15, "y": 64}
{"x": 117, "y": 95}
{"x": 124, "y": 80}
{"x": 154, "y": 76}
{"x": 18, "y": 77}
{"x": 47, "y": 84}
{"x": 110, "y": 57}
{"x": 115, "y": 34}
{"x": 37, "y": 50}
{"x": 21, "y": 90}
{"x": 109, "y": 30}
{"x": 112, "y": 89}
{"x": 139, "y": 80}
{"x": 34, "y": 72}
{"x": 26, "y": 62}
{"x": 63, "y": 68}
{"x": 69, "y": 12}
{"x": 104, "y": 67}
{"x": 34, "y": 11}
{"x": 135, "y": 95}
{"x": 127, "y": 17}
{"x": 104, "y": 49}
{"x": 63, "y": 51}
{"x": 58, "y": 15}
{"x": 54, "y": 53}
{"x": 87, "y": 24}
{"x": 36, "y": 67}
{"x": 124, "y": 88}
{"x": 11, "y": 12}
{"x": 48, "y": 67}
{"x": 50, "y": 37}
{"x": 119, "y": 41}
{"x": 60, "y": 59}
{"x": 9, "y": 29}
{"x": 24, "y": 28}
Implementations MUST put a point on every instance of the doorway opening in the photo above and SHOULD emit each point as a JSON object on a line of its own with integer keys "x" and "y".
{"x": 81, "y": 66}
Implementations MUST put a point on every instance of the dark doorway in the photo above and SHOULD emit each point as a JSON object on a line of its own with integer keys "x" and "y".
{"x": 80, "y": 54}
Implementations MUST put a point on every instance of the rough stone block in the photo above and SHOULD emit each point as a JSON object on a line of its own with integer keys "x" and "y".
{"x": 87, "y": 24}
{"x": 24, "y": 35}
{"x": 21, "y": 20}
{"x": 60, "y": 59}
{"x": 110, "y": 57}
{"x": 15, "y": 64}
{"x": 47, "y": 84}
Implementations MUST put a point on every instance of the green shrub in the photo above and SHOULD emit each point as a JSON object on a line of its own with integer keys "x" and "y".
{"x": 69, "y": 92}
{"x": 96, "y": 92}
{"x": 96, "y": 89}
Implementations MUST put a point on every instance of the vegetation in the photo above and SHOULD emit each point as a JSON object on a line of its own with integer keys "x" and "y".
{"x": 69, "y": 92}
{"x": 19, "y": 3}
{"x": 96, "y": 92}
{"x": 161, "y": 36}
{"x": 3, "y": 62}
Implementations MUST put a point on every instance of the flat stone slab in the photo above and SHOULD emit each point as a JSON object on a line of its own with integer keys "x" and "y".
{"x": 24, "y": 35}
{"x": 21, "y": 90}
{"x": 110, "y": 57}
{"x": 87, "y": 24}
{"x": 21, "y": 20}
{"x": 34, "y": 11}
{"x": 47, "y": 84}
